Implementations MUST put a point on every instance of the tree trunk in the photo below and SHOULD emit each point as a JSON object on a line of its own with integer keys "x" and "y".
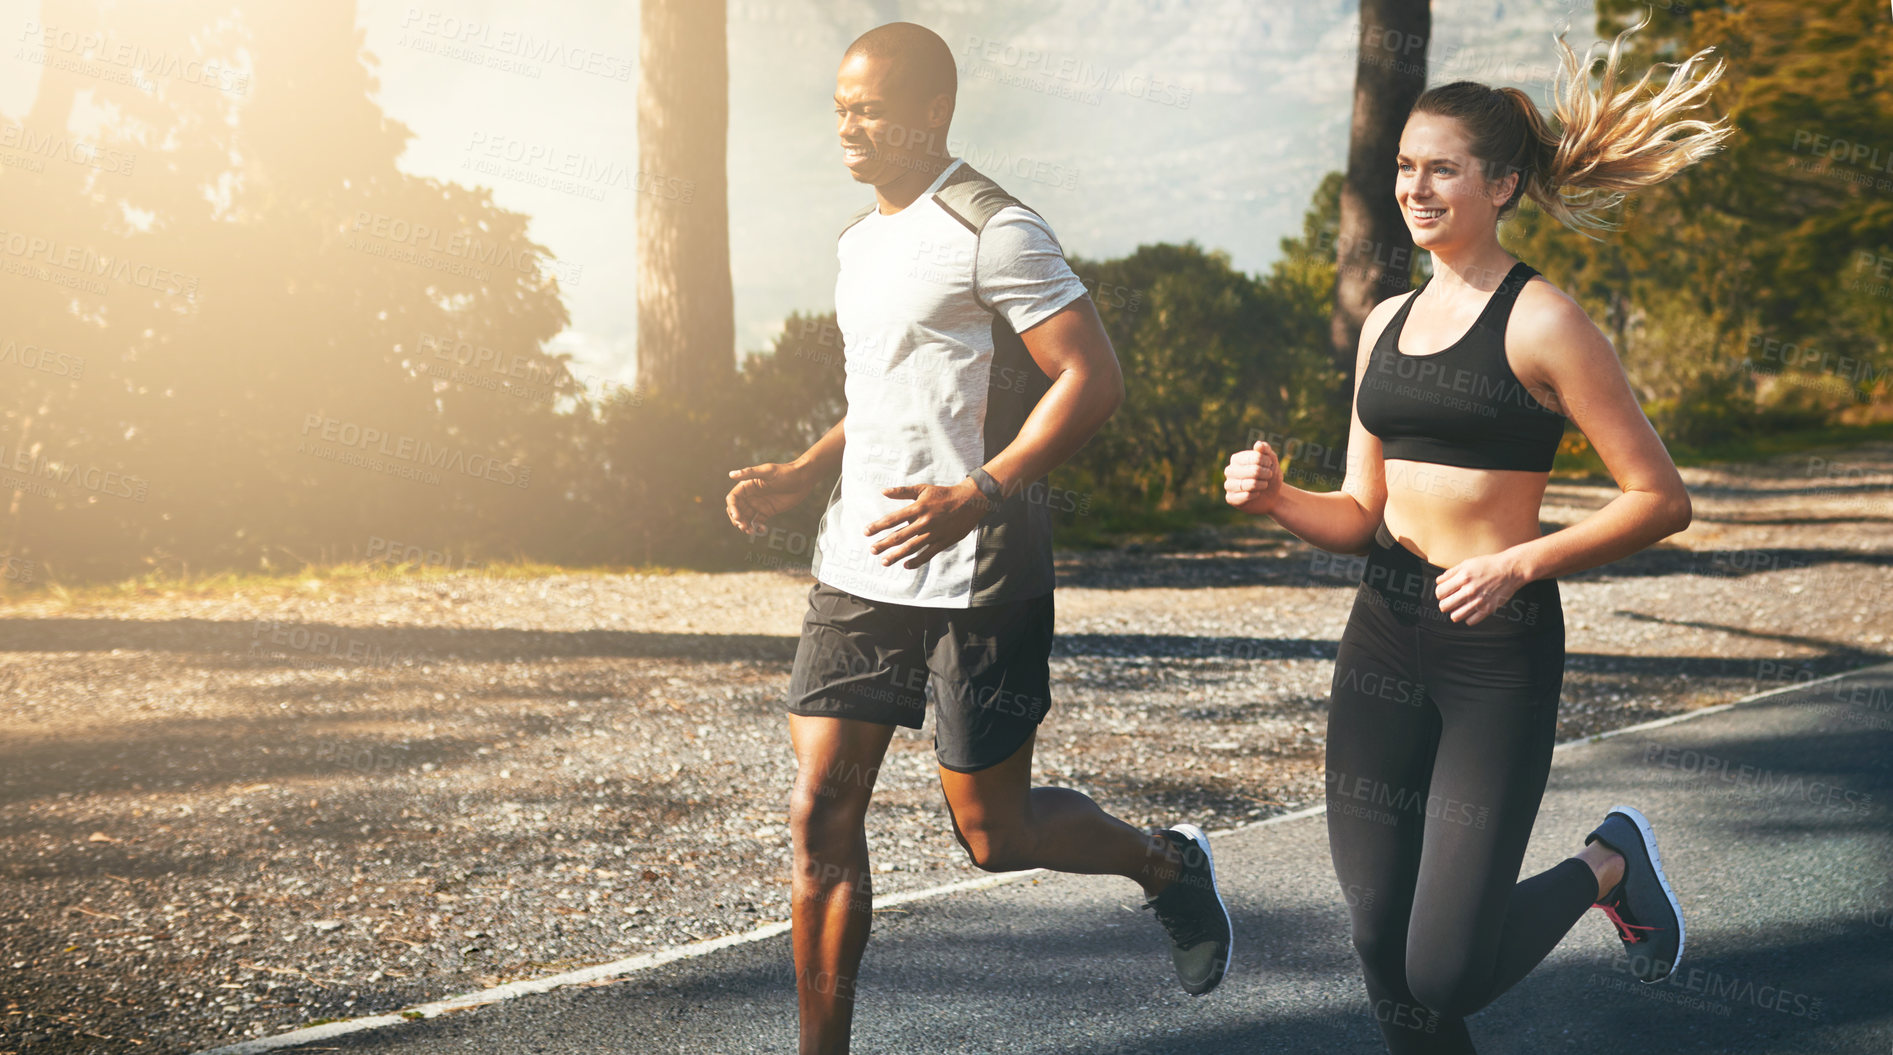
{"x": 686, "y": 315}
{"x": 1373, "y": 251}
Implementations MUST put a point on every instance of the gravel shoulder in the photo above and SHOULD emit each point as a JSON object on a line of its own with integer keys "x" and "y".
{"x": 233, "y": 814}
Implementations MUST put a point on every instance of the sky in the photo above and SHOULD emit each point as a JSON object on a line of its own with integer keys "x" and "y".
{"x": 1123, "y": 122}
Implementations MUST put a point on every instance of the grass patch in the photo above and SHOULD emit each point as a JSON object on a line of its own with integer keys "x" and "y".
{"x": 1120, "y": 528}
{"x": 308, "y": 581}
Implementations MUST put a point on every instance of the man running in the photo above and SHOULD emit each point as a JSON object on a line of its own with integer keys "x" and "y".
{"x": 976, "y": 363}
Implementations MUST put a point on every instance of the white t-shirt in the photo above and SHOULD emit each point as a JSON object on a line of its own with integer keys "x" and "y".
{"x": 929, "y": 303}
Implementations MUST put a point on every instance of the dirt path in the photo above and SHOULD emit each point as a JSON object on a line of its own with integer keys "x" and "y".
{"x": 230, "y": 815}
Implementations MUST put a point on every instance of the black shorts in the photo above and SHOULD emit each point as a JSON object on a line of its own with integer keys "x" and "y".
{"x": 987, "y": 670}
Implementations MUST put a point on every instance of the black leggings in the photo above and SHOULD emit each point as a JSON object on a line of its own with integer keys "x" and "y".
{"x": 1439, "y": 743}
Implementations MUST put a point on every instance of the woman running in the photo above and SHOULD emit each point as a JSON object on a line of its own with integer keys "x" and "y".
{"x": 1446, "y": 682}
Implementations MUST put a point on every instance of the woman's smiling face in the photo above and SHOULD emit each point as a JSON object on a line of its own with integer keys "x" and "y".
{"x": 1441, "y": 186}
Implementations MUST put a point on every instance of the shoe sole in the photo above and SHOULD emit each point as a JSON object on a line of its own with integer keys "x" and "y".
{"x": 1201, "y": 838}
{"x": 1656, "y": 863}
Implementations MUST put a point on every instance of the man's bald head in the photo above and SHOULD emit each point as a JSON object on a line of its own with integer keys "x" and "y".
{"x": 921, "y": 64}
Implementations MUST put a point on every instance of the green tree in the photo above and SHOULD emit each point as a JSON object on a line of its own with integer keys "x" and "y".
{"x": 1212, "y": 357}
{"x": 1742, "y": 292}
{"x": 279, "y": 274}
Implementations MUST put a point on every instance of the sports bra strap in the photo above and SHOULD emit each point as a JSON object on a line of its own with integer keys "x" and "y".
{"x": 1400, "y": 314}
{"x": 1507, "y": 294}
{"x": 1389, "y": 339}
{"x": 1497, "y": 306}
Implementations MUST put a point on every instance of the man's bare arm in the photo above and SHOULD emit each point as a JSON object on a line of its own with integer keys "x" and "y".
{"x": 824, "y": 456}
{"x": 1073, "y": 350}
{"x": 762, "y": 491}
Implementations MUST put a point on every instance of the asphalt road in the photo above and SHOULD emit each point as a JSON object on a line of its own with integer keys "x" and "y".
{"x": 1776, "y": 823}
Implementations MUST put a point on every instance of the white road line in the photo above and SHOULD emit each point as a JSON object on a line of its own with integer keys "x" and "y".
{"x": 641, "y": 962}
{"x": 1718, "y": 708}
{"x": 649, "y": 960}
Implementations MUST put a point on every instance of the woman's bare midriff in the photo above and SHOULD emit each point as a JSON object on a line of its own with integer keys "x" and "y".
{"x": 1448, "y": 514}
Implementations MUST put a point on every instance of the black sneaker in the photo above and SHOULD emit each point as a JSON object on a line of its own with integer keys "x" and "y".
{"x": 1643, "y": 906}
{"x": 1192, "y": 911}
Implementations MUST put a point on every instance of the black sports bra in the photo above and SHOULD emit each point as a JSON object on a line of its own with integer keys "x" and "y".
{"x": 1461, "y": 405}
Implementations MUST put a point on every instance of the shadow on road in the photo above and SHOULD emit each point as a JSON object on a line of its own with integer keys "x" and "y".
{"x": 1307, "y": 567}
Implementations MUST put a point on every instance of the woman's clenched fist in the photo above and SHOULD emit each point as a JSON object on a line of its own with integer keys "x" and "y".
{"x": 1253, "y": 479}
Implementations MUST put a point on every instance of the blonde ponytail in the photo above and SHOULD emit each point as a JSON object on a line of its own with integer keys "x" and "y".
{"x": 1609, "y": 141}
{"x": 1615, "y": 141}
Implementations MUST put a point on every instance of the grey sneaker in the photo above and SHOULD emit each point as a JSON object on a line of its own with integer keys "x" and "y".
{"x": 1193, "y": 912}
{"x": 1642, "y": 905}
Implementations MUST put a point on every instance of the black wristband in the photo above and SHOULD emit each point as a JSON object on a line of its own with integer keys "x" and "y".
{"x": 987, "y": 485}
